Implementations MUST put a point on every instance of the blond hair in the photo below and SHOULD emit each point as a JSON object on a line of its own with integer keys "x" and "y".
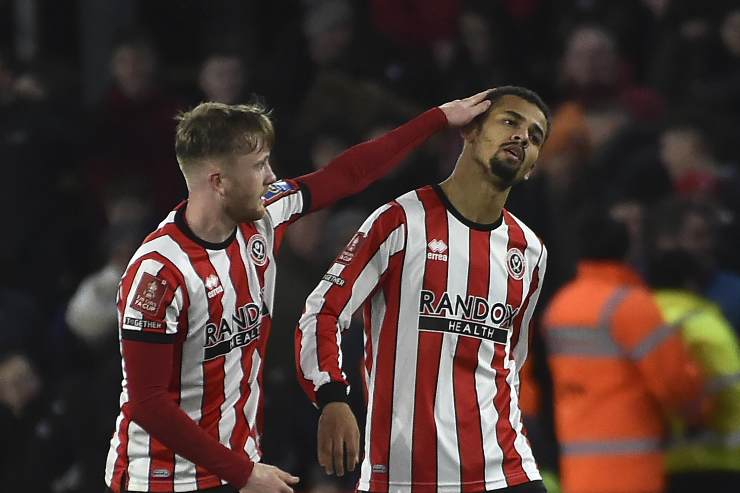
{"x": 220, "y": 131}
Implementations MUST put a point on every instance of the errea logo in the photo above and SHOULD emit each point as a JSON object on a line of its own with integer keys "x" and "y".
{"x": 437, "y": 249}
{"x": 211, "y": 281}
{"x": 213, "y": 285}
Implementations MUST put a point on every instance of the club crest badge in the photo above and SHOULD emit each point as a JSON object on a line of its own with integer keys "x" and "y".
{"x": 515, "y": 263}
{"x": 257, "y": 248}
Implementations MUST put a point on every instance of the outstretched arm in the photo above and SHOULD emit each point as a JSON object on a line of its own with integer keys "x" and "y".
{"x": 361, "y": 165}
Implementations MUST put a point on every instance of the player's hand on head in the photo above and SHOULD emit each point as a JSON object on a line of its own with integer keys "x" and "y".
{"x": 462, "y": 111}
{"x": 338, "y": 439}
{"x": 269, "y": 479}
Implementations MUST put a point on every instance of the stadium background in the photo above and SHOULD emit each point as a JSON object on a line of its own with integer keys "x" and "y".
{"x": 646, "y": 96}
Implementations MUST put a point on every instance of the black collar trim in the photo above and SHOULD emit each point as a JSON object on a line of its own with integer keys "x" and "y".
{"x": 183, "y": 226}
{"x": 467, "y": 222}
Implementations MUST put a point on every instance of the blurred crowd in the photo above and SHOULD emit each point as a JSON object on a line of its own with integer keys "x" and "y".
{"x": 646, "y": 101}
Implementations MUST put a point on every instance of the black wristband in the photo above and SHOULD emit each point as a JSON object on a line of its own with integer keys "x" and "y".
{"x": 331, "y": 392}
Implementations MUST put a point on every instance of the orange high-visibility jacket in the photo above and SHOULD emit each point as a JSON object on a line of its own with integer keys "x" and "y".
{"x": 618, "y": 371}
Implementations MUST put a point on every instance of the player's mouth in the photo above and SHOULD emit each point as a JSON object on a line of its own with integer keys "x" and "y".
{"x": 514, "y": 150}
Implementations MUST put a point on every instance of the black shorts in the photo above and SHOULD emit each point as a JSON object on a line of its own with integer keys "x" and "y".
{"x": 531, "y": 487}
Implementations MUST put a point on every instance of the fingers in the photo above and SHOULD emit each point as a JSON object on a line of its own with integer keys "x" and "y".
{"x": 284, "y": 488}
{"x": 477, "y": 98}
{"x": 325, "y": 454}
{"x": 339, "y": 457}
{"x": 286, "y": 476}
{"x": 353, "y": 446}
{"x": 481, "y": 107}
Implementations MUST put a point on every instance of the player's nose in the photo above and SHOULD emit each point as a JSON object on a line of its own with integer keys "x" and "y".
{"x": 520, "y": 138}
{"x": 269, "y": 176}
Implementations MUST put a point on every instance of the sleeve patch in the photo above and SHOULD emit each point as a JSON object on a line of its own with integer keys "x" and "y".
{"x": 278, "y": 188}
{"x": 350, "y": 250}
{"x": 149, "y": 294}
{"x": 339, "y": 281}
{"x": 141, "y": 323}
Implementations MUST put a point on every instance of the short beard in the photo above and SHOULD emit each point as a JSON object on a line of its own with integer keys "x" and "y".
{"x": 240, "y": 215}
{"x": 504, "y": 171}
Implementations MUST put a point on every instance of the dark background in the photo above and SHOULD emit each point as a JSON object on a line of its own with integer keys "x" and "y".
{"x": 646, "y": 102}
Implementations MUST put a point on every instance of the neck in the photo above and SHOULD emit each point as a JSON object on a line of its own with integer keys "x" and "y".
{"x": 207, "y": 221}
{"x": 474, "y": 195}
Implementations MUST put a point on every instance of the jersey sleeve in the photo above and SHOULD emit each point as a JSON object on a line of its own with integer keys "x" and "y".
{"x": 358, "y": 167}
{"x": 349, "y": 173}
{"x": 352, "y": 278}
{"x": 150, "y": 300}
{"x": 285, "y": 202}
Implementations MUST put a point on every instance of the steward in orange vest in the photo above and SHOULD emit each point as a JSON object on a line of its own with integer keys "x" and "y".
{"x": 619, "y": 371}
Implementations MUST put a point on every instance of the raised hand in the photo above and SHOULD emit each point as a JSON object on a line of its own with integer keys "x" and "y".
{"x": 460, "y": 112}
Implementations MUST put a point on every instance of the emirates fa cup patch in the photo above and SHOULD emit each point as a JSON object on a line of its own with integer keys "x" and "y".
{"x": 149, "y": 294}
{"x": 515, "y": 263}
{"x": 350, "y": 250}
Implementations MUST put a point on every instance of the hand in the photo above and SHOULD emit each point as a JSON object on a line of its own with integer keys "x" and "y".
{"x": 269, "y": 479}
{"x": 460, "y": 112}
{"x": 338, "y": 434}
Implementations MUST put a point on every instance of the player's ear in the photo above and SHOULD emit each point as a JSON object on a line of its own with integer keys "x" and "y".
{"x": 216, "y": 181}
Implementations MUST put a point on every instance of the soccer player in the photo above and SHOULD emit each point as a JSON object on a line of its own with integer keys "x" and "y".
{"x": 448, "y": 280}
{"x": 196, "y": 299}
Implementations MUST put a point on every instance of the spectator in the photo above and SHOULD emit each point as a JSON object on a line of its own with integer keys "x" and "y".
{"x": 706, "y": 457}
{"x": 716, "y": 89}
{"x": 223, "y": 78}
{"x": 687, "y": 155}
{"x": 20, "y": 386}
{"x": 91, "y": 314}
{"x": 617, "y": 372}
{"x": 413, "y": 23}
{"x": 479, "y": 59}
{"x": 680, "y": 49}
{"x": 134, "y": 127}
{"x": 600, "y": 101}
{"x": 694, "y": 227}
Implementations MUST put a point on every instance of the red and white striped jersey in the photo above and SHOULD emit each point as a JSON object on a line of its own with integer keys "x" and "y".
{"x": 213, "y": 302}
{"x": 447, "y": 305}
